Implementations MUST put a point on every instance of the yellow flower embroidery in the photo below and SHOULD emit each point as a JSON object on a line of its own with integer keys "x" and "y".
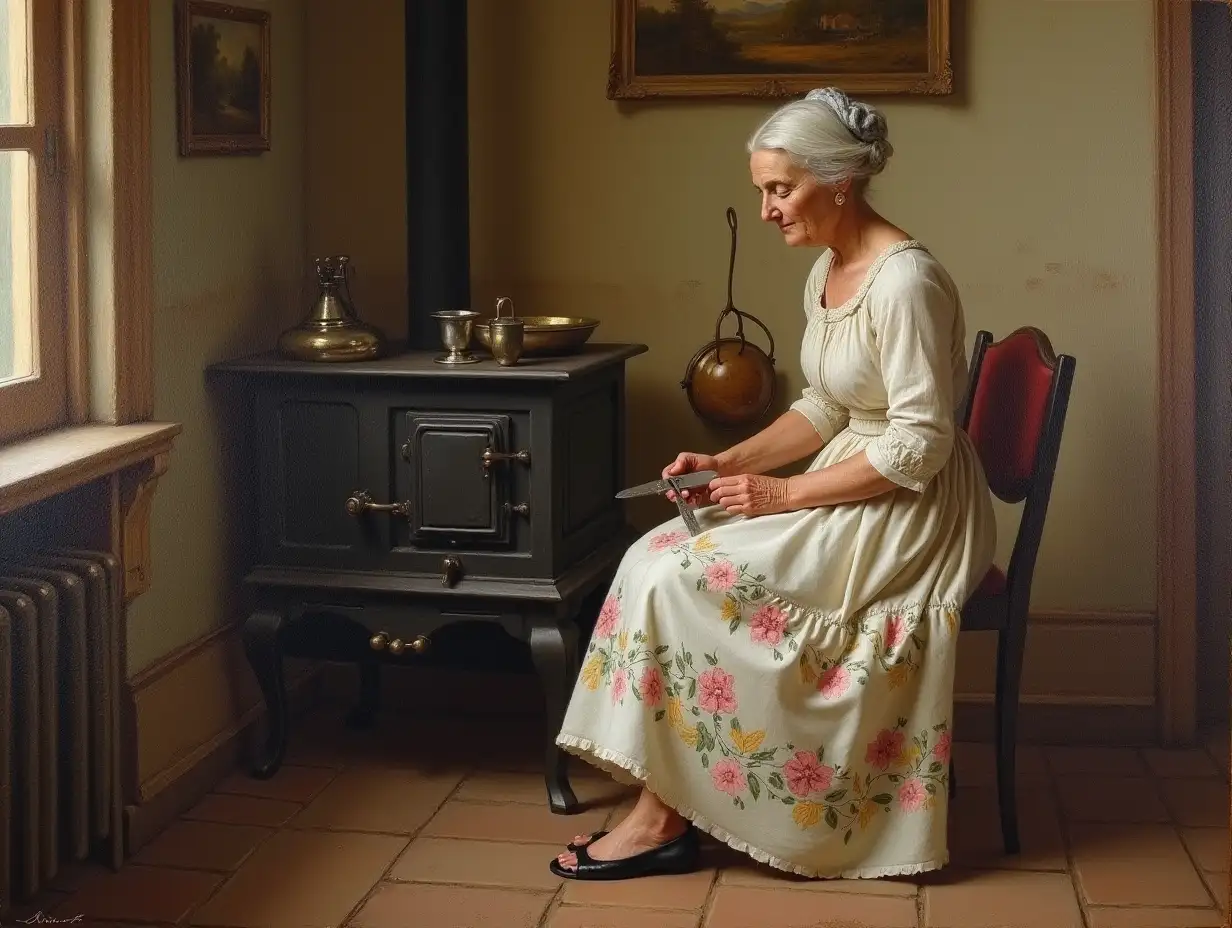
{"x": 909, "y": 756}
{"x": 688, "y": 735}
{"x": 867, "y": 811}
{"x": 951, "y": 621}
{"x": 807, "y": 672}
{"x": 730, "y": 610}
{"x": 592, "y": 673}
{"x": 807, "y": 814}
{"x": 747, "y": 742}
{"x": 899, "y": 674}
{"x": 675, "y": 718}
{"x": 622, "y": 641}
{"x": 704, "y": 543}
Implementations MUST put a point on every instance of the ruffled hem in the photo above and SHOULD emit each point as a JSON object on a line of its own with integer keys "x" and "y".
{"x": 606, "y": 758}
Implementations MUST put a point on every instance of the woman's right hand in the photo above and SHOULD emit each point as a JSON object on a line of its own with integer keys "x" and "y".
{"x": 690, "y": 462}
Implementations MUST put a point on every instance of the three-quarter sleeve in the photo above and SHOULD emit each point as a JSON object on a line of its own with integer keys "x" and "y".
{"x": 913, "y": 318}
{"x": 827, "y": 418}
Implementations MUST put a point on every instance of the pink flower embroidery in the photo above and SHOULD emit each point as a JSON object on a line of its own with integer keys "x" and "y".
{"x": 714, "y": 691}
{"x": 912, "y": 795}
{"x": 721, "y": 576}
{"x": 620, "y": 684}
{"x": 768, "y": 624}
{"x": 944, "y": 745}
{"x": 609, "y": 616}
{"x": 806, "y": 774}
{"x": 896, "y": 631}
{"x": 728, "y": 777}
{"x": 834, "y": 682}
{"x": 665, "y": 540}
{"x": 651, "y": 686}
{"x": 882, "y": 751}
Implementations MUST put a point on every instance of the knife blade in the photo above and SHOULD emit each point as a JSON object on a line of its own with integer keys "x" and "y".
{"x": 684, "y": 482}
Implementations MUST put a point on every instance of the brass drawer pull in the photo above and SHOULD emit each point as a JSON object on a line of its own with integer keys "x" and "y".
{"x": 491, "y": 457}
{"x": 381, "y": 642}
{"x": 521, "y": 509}
{"x": 360, "y": 502}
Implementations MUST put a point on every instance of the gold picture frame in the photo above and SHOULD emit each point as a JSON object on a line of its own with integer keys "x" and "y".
{"x": 745, "y": 48}
{"x": 223, "y": 78}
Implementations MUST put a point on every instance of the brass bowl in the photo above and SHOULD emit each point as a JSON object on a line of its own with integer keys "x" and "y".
{"x": 546, "y": 335}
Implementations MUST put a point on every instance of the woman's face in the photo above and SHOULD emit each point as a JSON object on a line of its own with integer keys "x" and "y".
{"x": 792, "y": 199}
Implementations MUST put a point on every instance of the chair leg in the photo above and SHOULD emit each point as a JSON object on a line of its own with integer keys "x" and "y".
{"x": 1010, "y": 644}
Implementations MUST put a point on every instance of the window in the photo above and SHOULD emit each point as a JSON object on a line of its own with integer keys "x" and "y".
{"x": 33, "y": 258}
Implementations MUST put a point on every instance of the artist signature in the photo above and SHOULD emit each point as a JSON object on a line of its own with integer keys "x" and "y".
{"x": 42, "y": 918}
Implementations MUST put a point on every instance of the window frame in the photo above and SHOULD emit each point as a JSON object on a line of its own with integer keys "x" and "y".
{"x": 43, "y": 401}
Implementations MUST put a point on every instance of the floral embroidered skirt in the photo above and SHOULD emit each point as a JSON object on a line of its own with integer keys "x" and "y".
{"x": 786, "y": 682}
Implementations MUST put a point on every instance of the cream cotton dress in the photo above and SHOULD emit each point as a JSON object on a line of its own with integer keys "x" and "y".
{"x": 786, "y": 681}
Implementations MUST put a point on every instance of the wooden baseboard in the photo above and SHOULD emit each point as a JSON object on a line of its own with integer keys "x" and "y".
{"x": 1089, "y": 677}
{"x": 188, "y": 720}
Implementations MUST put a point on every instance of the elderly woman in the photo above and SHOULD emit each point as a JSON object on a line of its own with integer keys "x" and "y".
{"x": 784, "y": 680}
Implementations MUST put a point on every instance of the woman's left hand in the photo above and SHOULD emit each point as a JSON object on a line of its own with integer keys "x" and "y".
{"x": 750, "y": 494}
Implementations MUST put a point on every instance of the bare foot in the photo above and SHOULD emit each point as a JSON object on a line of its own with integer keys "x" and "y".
{"x": 650, "y": 825}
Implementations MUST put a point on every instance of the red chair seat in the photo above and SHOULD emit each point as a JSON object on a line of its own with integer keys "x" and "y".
{"x": 993, "y": 584}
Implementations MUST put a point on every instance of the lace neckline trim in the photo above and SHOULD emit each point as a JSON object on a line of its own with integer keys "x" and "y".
{"x": 834, "y": 314}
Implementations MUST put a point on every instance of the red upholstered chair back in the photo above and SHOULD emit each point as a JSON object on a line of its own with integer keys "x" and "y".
{"x": 1014, "y": 413}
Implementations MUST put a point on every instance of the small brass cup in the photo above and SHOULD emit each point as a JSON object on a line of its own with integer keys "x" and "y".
{"x": 508, "y": 336}
{"x": 456, "y": 327}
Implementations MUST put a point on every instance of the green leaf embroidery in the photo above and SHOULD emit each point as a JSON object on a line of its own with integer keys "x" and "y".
{"x": 883, "y": 799}
{"x": 847, "y": 836}
{"x": 659, "y": 715}
{"x": 754, "y": 786}
{"x": 712, "y": 660}
{"x": 831, "y": 818}
{"x": 836, "y": 795}
{"x": 776, "y": 779}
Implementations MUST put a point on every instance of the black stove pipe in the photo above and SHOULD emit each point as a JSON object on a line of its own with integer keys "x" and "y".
{"x": 437, "y": 182}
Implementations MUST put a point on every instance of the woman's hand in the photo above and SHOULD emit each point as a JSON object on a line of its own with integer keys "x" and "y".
{"x": 690, "y": 462}
{"x": 750, "y": 494}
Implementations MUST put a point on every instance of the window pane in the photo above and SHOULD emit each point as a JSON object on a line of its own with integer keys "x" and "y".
{"x": 17, "y": 330}
{"x": 14, "y": 62}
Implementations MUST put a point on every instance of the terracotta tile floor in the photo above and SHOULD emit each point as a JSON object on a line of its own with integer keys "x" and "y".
{"x": 443, "y": 824}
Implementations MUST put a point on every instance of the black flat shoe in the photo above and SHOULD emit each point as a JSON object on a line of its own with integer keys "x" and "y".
{"x": 677, "y": 856}
{"x": 594, "y": 836}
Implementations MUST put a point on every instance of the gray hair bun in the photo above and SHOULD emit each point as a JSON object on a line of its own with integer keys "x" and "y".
{"x": 864, "y": 122}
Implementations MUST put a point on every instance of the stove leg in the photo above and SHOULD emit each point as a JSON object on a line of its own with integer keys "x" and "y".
{"x": 553, "y": 647}
{"x": 262, "y": 631}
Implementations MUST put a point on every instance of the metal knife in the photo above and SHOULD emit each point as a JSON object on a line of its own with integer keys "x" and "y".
{"x": 676, "y": 484}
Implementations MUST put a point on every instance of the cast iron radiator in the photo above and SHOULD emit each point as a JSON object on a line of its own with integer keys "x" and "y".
{"x": 60, "y": 798}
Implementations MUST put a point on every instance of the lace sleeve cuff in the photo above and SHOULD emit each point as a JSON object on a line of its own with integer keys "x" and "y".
{"x": 827, "y": 419}
{"x": 896, "y": 458}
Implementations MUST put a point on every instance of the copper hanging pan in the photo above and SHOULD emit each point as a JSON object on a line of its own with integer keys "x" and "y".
{"x": 730, "y": 382}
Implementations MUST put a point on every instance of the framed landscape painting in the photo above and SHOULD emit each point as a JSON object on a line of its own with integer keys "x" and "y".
{"x": 778, "y": 48}
{"x": 223, "y": 78}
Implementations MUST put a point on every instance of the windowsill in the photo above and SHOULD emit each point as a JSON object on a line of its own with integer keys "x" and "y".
{"x": 46, "y": 465}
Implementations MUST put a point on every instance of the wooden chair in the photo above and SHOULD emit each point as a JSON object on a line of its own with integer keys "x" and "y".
{"x": 1014, "y": 413}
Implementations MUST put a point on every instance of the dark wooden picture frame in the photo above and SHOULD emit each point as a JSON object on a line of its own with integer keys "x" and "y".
{"x": 871, "y": 32}
{"x": 222, "y": 78}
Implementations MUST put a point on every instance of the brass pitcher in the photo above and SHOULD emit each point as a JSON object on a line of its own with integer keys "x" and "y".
{"x": 332, "y": 331}
{"x": 508, "y": 335}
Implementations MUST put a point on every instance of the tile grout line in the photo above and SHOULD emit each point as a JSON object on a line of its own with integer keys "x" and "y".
{"x": 1071, "y": 867}
{"x": 410, "y": 839}
{"x": 273, "y": 830}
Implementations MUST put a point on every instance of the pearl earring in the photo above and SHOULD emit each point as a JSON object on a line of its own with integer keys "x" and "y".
{"x": 840, "y": 198}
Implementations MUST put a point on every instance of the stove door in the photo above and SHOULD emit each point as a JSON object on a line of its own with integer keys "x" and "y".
{"x": 457, "y": 467}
